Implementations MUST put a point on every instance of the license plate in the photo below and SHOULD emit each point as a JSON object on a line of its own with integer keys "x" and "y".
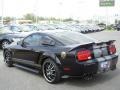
{"x": 105, "y": 64}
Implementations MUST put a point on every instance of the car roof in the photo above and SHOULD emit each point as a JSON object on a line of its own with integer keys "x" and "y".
{"x": 51, "y": 31}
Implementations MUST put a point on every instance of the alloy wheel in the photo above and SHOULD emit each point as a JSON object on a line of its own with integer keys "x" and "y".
{"x": 49, "y": 71}
{"x": 7, "y": 59}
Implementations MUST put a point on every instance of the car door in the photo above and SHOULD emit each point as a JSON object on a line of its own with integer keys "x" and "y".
{"x": 29, "y": 50}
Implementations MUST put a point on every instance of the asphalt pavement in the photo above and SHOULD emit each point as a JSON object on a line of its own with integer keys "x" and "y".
{"x": 16, "y": 78}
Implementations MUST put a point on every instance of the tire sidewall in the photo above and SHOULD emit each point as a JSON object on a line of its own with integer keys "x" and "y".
{"x": 57, "y": 70}
{"x": 8, "y": 63}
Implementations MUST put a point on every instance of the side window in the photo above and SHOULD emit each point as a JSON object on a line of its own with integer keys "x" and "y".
{"x": 33, "y": 40}
{"x": 49, "y": 41}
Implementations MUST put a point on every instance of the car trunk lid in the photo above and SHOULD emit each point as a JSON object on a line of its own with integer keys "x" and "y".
{"x": 98, "y": 49}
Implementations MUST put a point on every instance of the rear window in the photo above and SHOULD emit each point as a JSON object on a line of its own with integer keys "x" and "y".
{"x": 70, "y": 37}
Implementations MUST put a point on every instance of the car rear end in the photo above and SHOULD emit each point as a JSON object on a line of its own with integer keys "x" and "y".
{"x": 81, "y": 54}
{"x": 90, "y": 58}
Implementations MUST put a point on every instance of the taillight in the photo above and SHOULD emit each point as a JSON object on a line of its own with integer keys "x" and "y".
{"x": 84, "y": 55}
{"x": 112, "y": 49}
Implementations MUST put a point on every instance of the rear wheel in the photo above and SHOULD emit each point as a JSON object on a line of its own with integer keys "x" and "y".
{"x": 8, "y": 58}
{"x": 51, "y": 71}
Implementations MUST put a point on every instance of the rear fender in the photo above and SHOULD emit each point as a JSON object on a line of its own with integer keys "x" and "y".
{"x": 49, "y": 55}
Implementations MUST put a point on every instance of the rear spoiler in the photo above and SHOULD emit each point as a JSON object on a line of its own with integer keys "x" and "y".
{"x": 91, "y": 44}
{"x": 108, "y": 42}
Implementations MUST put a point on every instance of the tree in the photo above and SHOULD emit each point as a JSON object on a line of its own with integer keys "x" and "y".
{"x": 77, "y": 21}
{"x": 67, "y": 20}
{"x": 30, "y": 16}
{"x": 41, "y": 18}
{"x": 8, "y": 19}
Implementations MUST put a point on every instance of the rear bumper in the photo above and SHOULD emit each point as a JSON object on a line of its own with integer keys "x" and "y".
{"x": 92, "y": 66}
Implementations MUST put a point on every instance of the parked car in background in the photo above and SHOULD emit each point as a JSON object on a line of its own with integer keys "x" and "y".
{"x": 19, "y": 28}
{"x": 43, "y": 27}
{"x": 32, "y": 27}
{"x": 7, "y": 36}
{"x": 57, "y": 54}
{"x": 117, "y": 27}
{"x": 13, "y": 28}
{"x": 83, "y": 28}
{"x": 79, "y": 28}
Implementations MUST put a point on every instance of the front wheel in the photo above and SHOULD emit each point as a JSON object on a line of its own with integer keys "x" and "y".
{"x": 8, "y": 58}
{"x": 4, "y": 43}
{"x": 51, "y": 71}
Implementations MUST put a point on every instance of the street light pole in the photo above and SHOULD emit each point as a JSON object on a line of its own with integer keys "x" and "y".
{"x": 2, "y": 7}
{"x": 36, "y": 8}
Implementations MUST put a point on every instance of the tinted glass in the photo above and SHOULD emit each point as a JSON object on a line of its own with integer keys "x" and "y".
{"x": 69, "y": 37}
{"x": 33, "y": 40}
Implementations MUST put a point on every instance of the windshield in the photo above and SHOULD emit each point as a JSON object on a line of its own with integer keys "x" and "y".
{"x": 66, "y": 37}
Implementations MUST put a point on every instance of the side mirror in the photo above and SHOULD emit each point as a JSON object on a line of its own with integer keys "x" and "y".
{"x": 19, "y": 42}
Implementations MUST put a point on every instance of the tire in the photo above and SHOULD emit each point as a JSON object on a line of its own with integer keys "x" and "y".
{"x": 4, "y": 43}
{"x": 51, "y": 71}
{"x": 7, "y": 59}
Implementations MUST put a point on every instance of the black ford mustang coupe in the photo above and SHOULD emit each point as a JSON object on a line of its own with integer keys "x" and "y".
{"x": 62, "y": 53}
